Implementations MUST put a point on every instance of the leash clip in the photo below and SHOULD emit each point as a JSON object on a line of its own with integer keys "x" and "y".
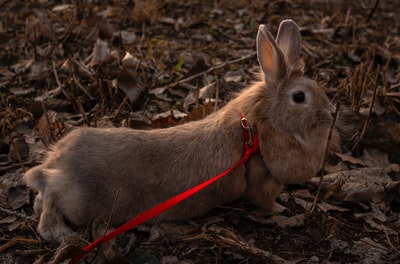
{"x": 245, "y": 125}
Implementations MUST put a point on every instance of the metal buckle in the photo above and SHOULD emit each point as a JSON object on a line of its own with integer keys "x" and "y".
{"x": 245, "y": 125}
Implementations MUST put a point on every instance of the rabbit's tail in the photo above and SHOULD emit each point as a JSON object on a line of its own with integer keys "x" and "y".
{"x": 35, "y": 178}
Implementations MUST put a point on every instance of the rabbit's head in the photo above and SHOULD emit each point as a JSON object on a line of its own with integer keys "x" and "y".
{"x": 292, "y": 104}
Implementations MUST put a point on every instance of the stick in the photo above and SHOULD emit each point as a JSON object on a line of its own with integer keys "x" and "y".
{"x": 17, "y": 154}
{"x": 60, "y": 86}
{"x": 367, "y": 121}
{"x": 213, "y": 68}
{"x": 325, "y": 159}
{"x": 23, "y": 216}
{"x": 125, "y": 101}
{"x": 372, "y": 11}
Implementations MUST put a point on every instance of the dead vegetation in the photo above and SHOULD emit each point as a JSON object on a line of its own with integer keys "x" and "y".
{"x": 151, "y": 64}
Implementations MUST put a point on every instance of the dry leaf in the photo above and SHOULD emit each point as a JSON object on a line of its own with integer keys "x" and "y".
{"x": 234, "y": 76}
{"x": 128, "y": 82}
{"x": 49, "y": 127}
{"x": 75, "y": 67}
{"x": 8, "y": 219}
{"x": 101, "y": 54}
{"x": 366, "y": 250}
{"x": 38, "y": 25}
{"x": 22, "y": 66}
{"x": 22, "y": 91}
{"x": 67, "y": 250}
{"x": 374, "y": 157}
{"x": 129, "y": 61}
{"x": 175, "y": 114}
{"x": 13, "y": 193}
{"x": 360, "y": 185}
{"x": 293, "y": 221}
{"x": 350, "y": 159}
{"x": 323, "y": 206}
{"x": 375, "y": 225}
{"x": 63, "y": 7}
{"x": 127, "y": 37}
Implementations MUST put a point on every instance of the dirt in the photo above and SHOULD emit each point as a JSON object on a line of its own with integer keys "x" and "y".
{"x": 152, "y": 64}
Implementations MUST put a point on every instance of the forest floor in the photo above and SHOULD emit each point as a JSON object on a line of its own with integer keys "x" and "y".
{"x": 153, "y": 64}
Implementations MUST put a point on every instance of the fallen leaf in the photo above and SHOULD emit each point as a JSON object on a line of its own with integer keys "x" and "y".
{"x": 376, "y": 226}
{"x": 129, "y": 61}
{"x": 63, "y": 7}
{"x": 101, "y": 54}
{"x": 127, "y": 82}
{"x": 38, "y": 25}
{"x": 22, "y": 91}
{"x": 67, "y": 250}
{"x": 76, "y": 67}
{"x": 128, "y": 37}
{"x": 366, "y": 250}
{"x": 8, "y": 219}
{"x": 373, "y": 157}
{"x": 207, "y": 91}
{"x": 22, "y": 66}
{"x": 323, "y": 206}
{"x": 18, "y": 196}
{"x": 13, "y": 193}
{"x": 174, "y": 114}
{"x": 350, "y": 159}
{"x": 293, "y": 221}
{"x": 359, "y": 185}
{"x": 49, "y": 127}
{"x": 234, "y": 76}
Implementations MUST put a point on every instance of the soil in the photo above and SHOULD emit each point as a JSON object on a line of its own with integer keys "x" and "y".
{"x": 152, "y": 64}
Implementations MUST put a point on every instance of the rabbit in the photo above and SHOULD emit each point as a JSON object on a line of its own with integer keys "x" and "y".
{"x": 118, "y": 173}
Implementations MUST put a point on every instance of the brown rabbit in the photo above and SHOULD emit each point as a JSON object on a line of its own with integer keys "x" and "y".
{"x": 97, "y": 172}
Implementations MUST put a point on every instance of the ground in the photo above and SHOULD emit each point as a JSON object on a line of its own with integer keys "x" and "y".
{"x": 152, "y": 64}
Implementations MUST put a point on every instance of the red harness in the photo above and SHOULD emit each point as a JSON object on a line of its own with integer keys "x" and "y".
{"x": 250, "y": 147}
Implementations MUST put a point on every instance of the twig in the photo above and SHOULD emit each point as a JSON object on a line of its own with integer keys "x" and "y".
{"x": 216, "y": 94}
{"x": 108, "y": 222}
{"x": 227, "y": 238}
{"x": 367, "y": 121}
{"x": 16, "y": 240}
{"x": 102, "y": 97}
{"x": 390, "y": 242}
{"x": 11, "y": 167}
{"x": 80, "y": 86}
{"x": 46, "y": 115}
{"x": 213, "y": 68}
{"x": 372, "y": 11}
{"x": 364, "y": 83}
{"x": 124, "y": 102}
{"x": 321, "y": 178}
{"x": 111, "y": 213}
{"x": 73, "y": 23}
{"x": 20, "y": 215}
{"x": 17, "y": 154}
{"x": 80, "y": 106}
{"x": 387, "y": 97}
{"x": 58, "y": 79}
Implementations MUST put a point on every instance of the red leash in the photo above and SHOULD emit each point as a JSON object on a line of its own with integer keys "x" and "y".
{"x": 250, "y": 147}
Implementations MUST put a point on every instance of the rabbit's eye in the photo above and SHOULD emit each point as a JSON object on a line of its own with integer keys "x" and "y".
{"x": 299, "y": 97}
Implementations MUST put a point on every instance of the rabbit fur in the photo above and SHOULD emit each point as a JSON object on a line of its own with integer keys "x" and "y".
{"x": 95, "y": 172}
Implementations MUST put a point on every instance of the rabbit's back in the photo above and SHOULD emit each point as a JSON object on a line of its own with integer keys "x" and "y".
{"x": 125, "y": 172}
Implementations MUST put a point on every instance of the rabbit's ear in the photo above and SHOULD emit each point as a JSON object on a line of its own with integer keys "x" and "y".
{"x": 270, "y": 57}
{"x": 289, "y": 41}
